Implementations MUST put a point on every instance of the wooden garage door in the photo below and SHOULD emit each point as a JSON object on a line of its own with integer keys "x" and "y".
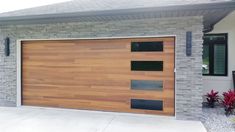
{"x": 123, "y": 75}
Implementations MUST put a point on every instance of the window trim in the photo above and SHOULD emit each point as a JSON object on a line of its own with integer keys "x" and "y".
{"x": 211, "y": 54}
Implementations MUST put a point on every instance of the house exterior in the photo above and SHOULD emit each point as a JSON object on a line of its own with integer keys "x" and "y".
{"x": 223, "y": 83}
{"x": 144, "y": 57}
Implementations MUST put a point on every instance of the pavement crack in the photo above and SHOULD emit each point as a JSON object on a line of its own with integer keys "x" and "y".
{"x": 111, "y": 120}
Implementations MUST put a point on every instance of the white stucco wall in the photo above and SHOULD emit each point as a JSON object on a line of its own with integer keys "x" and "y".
{"x": 222, "y": 84}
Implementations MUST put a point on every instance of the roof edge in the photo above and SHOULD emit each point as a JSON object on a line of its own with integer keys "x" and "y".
{"x": 195, "y": 7}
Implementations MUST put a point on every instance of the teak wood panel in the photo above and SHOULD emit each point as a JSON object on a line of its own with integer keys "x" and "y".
{"x": 93, "y": 74}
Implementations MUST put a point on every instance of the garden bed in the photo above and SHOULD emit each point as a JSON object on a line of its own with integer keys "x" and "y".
{"x": 215, "y": 120}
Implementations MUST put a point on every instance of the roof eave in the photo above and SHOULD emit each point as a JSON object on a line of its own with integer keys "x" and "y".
{"x": 83, "y": 16}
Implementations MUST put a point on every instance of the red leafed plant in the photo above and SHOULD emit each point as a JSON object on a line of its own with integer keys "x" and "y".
{"x": 212, "y": 98}
{"x": 229, "y": 101}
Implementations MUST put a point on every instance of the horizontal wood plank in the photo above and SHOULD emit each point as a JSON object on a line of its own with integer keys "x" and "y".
{"x": 94, "y": 74}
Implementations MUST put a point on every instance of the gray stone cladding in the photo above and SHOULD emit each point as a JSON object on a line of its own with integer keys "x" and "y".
{"x": 188, "y": 89}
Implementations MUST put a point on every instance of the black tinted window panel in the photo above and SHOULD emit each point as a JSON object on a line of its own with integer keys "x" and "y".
{"x": 146, "y": 85}
{"x": 219, "y": 59}
{"x": 147, "y": 104}
{"x": 146, "y": 46}
{"x": 147, "y": 65}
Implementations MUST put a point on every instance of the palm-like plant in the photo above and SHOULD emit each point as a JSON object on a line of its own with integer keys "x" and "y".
{"x": 229, "y": 101}
{"x": 212, "y": 98}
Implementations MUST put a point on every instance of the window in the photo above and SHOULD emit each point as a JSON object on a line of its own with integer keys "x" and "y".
{"x": 146, "y": 85}
{"x": 147, "y": 104}
{"x": 215, "y": 55}
{"x": 147, "y": 65}
{"x": 146, "y": 46}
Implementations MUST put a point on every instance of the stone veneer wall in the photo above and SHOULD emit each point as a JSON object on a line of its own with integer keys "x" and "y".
{"x": 188, "y": 76}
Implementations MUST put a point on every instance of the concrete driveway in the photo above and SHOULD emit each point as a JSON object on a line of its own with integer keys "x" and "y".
{"x": 35, "y": 119}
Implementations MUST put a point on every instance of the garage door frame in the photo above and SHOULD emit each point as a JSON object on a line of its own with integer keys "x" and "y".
{"x": 19, "y": 60}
